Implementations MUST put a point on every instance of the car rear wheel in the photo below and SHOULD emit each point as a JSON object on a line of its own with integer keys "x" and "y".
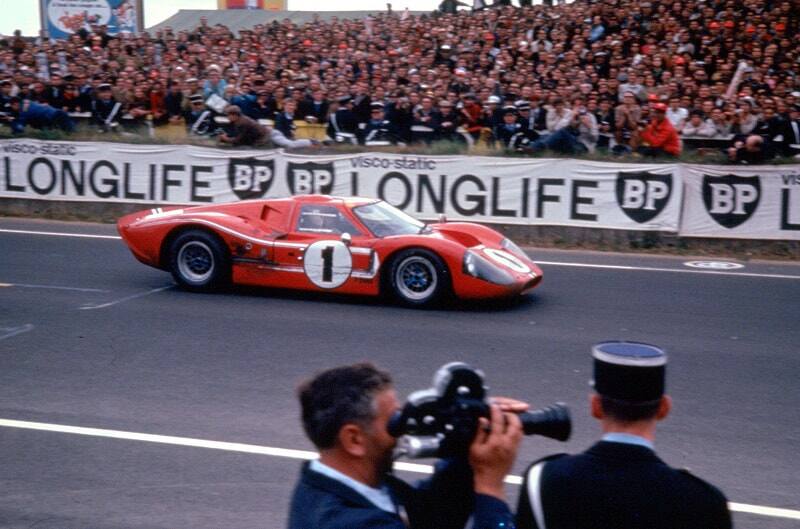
{"x": 199, "y": 261}
{"x": 418, "y": 278}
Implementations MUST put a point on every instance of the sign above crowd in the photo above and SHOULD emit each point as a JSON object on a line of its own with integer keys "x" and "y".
{"x": 63, "y": 18}
{"x": 692, "y": 200}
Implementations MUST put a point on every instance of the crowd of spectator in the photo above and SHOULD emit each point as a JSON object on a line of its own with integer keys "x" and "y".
{"x": 621, "y": 75}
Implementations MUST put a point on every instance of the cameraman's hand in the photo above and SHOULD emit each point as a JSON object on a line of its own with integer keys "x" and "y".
{"x": 493, "y": 451}
{"x": 510, "y": 405}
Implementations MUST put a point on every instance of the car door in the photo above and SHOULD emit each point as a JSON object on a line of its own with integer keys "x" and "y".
{"x": 326, "y": 249}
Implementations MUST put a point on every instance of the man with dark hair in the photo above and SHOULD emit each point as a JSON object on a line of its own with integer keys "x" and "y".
{"x": 242, "y": 130}
{"x": 345, "y": 414}
{"x": 620, "y": 482}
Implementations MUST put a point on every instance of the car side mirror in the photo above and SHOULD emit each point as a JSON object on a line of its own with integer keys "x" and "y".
{"x": 346, "y": 238}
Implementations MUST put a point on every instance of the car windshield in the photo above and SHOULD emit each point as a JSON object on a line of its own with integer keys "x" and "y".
{"x": 384, "y": 220}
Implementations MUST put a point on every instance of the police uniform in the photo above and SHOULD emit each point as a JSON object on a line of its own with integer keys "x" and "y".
{"x": 342, "y": 124}
{"x": 379, "y": 131}
{"x": 620, "y": 482}
{"x": 510, "y": 135}
{"x": 199, "y": 121}
{"x": 105, "y": 113}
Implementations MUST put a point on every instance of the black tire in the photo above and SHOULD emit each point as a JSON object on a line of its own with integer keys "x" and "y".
{"x": 199, "y": 261}
{"x": 418, "y": 278}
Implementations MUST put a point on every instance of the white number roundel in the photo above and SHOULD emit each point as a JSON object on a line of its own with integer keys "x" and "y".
{"x": 328, "y": 263}
{"x": 506, "y": 259}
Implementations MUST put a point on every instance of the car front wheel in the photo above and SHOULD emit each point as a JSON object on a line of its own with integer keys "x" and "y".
{"x": 199, "y": 261}
{"x": 418, "y": 278}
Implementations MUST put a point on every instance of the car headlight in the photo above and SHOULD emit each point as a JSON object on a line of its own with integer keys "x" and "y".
{"x": 480, "y": 267}
{"x": 508, "y": 245}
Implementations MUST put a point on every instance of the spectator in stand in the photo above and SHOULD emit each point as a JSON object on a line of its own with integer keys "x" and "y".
{"x": 676, "y": 114}
{"x": 721, "y": 123}
{"x": 754, "y": 150}
{"x": 771, "y": 127}
{"x": 558, "y": 116}
{"x": 745, "y": 121}
{"x": 242, "y": 130}
{"x": 378, "y": 131}
{"x": 471, "y": 115}
{"x": 697, "y": 126}
{"x": 215, "y": 84}
{"x": 36, "y": 115}
{"x": 173, "y": 102}
{"x": 284, "y": 120}
{"x": 793, "y": 131}
{"x": 424, "y": 125}
{"x": 315, "y": 108}
{"x": 447, "y": 120}
{"x": 604, "y": 115}
{"x": 659, "y": 138}
{"x": 578, "y": 136}
{"x": 627, "y": 118}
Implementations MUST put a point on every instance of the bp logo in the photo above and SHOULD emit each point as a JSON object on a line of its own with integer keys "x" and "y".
{"x": 250, "y": 178}
{"x": 642, "y": 195}
{"x": 731, "y": 199}
{"x": 310, "y": 178}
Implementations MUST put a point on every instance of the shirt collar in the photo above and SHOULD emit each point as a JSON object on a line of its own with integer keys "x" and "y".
{"x": 379, "y": 497}
{"x": 627, "y": 438}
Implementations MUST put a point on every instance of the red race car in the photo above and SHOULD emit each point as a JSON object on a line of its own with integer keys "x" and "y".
{"x": 347, "y": 245}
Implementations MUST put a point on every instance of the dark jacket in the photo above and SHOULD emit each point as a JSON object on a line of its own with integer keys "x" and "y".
{"x": 616, "y": 485}
{"x": 444, "y": 501}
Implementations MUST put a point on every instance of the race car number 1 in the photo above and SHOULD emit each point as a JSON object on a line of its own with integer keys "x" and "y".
{"x": 328, "y": 263}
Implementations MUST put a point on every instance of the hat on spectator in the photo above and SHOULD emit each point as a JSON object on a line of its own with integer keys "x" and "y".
{"x": 196, "y": 98}
{"x": 493, "y": 100}
{"x": 521, "y": 104}
{"x": 103, "y": 87}
{"x": 659, "y": 107}
{"x": 345, "y": 99}
{"x": 509, "y": 109}
{"x": 376, "y": 105}
{"x": 729, "y": 24}
{"x": 714, "y": 25}
{"x": 780, "y": 26}
{"x": 191, "y": 80}
{"x": 629, "y": 371}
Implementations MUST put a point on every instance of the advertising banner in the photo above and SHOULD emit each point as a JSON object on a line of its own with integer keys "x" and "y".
{"x": 62, "y": 18}
{"x": 755, "y": 202}
{"x": 488, "y": 189}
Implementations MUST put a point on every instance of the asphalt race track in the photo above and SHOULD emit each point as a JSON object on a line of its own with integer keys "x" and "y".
{"x": 126, "y": 403}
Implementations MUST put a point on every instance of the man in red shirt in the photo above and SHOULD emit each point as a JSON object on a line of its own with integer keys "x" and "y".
{"x": 659, "y": 137}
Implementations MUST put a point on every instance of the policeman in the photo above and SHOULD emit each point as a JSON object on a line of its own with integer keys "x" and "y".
{"x": 620, "y": 482}
{"x": 379, "y": 130}
{"x": 342, "y": 124}
{"x": 510, "y": 134}
{"x": 199, "y": 119}
{"x": 106, "y": 111}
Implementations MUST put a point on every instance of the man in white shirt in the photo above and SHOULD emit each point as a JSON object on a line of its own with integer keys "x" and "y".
{"x": 676, "y": 114}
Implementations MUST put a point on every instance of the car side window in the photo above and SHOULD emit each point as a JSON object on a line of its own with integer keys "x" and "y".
{"x": 324, "y": 219}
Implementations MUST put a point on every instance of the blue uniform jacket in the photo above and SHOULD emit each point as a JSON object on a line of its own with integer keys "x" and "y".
{"x": 444, "y": 501}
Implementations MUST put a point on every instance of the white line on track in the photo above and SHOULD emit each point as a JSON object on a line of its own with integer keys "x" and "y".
{"x": 52, "y": 287}
{"x": 678, "y": 270}
{"x": 296, "y": 454}
{"x": 60, "y": 234}
{"x": 94, "y": 306}
{"x": 13, "y": 331}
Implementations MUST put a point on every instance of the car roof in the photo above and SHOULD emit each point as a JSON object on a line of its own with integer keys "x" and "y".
{"x": 349, "y": 202}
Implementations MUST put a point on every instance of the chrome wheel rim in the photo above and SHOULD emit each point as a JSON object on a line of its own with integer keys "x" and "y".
{"x": 416, "y": 278}
{"x": 195, "y": 262}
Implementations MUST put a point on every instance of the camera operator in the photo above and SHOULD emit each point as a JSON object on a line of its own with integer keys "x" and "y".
{"x": 578, "y": 136}
{"x": 346, "y": 411}
{"x": 620, "y": 482}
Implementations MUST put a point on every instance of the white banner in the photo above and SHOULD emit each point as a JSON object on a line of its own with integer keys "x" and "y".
{"x": 750, "y": 202}
{"x": 489, "y": 189}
